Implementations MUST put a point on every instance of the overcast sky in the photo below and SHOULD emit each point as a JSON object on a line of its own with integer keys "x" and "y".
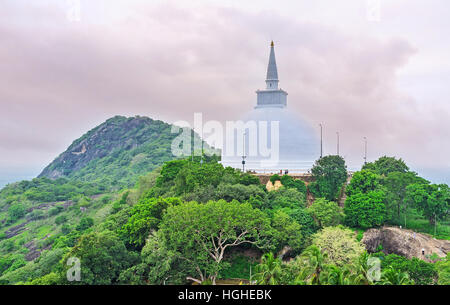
{"x": 386, "y": 76}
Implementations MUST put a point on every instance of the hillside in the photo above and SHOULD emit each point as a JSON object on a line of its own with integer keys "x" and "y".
{"x": 197, "y": 222}
{"x": 78, "y": 189}
{"x": 183, "y": 210}
{"x": 116, "y": 152}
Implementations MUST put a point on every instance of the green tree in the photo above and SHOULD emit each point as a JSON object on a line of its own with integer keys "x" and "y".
{"x": 306, "y": 221}
{"x": 51, "y": 278}
{"x": 286, "y": 198}
{"x": 334, "y": 275}
{"x": 310, "y": 266}
{"x": 194, "y": 176}
{"x": 286, "y": 232}
{"x": 60, "y": 219}
{"x": 159, "y": 266}
{"x": 169, "y": 171}
{"x": 362, "y": 272}
{"x": 85, "y": 223}
{"x": 11, "y": 262}
{"x": 102, "y": 257}
{"x": 289, "y": 182}
{"x": 15, "y": 212}
{"x": 363, "y": 182}
{"x": 145, "y": 217}
{"x": 326, "y": 213}
{"x": 390, "y": 276}
{"x": 395, "y": 184}
{"x": 330, "y": 173}
{"x": 365, "y": 210}
{"x": 432, "y": 200}
{"x": 269, "y": 271}
{"x": 56, "y": 210}
{"x": 443, "y": 270}
{"x": 238, "y": 192}
{"x": 421, "y": 272}
{"x": 248, "y": 179}
{"x": 65, "y": 229}
{"x": 339, "y": 244}
{"x": 385, "y": 165}
{"x": 201, "y": 233}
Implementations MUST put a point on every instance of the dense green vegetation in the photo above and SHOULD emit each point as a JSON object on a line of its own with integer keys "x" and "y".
{"x": 118, "y": 151}
{"x": 330, "y": 173}
{"x": 187, "y": 222}
{"x": 47, "y": 190}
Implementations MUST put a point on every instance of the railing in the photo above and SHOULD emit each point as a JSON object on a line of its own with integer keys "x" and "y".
{"x": 283, "y": 172}
{"x": 280, "y": 172}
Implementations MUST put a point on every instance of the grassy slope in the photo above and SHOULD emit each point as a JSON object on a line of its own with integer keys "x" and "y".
{"x": 39, "y": 230}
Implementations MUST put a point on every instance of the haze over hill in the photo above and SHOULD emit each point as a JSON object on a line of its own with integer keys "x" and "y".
{"x": 116, "y": 152}
{"x": 386, "y": 81}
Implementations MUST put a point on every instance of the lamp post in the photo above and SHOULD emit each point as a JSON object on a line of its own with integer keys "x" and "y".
{"x": 243, "y": 152}
{"x": 337, "y": 134}
{"x": 321, "y": 140}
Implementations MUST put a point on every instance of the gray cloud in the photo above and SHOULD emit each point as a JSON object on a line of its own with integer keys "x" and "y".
{"x": 61, "y": 78}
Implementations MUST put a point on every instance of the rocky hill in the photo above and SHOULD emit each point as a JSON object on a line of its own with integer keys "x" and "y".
{"x": 405, "y": 243}
{"x": 116, "y": 152}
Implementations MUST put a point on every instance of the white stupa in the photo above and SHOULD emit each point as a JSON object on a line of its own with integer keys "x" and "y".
{"x": 294, "y": 146}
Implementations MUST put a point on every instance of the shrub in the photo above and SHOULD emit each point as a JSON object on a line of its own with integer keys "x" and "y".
{"x": 274, "y": 178}
{"x": 15, "y": 212}
{"x": 65, "y": 229}
{"x": 85, "y": 223}
{"x": 56, "y": 210}
{"x": 289, "y": 182}
{"x": 423, "y": 273}
{"x": 60, "y": 219}
{"x": 35, "y": 215}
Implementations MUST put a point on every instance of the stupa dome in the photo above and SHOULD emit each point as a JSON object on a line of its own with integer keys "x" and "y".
{"x": 270, "y": 137}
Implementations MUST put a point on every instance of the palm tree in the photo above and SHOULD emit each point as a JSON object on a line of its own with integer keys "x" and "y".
{"x": 314, "y": 270}
{"x": 361, "y": 271}
{"x": 269, "y": 271}
{"x": 313, "y": 262}
{"x": 333, "y": 275}
{"x": 390, "y": 276}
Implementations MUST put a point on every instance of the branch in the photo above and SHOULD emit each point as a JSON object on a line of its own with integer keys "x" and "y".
{"x": 194, "y": 280}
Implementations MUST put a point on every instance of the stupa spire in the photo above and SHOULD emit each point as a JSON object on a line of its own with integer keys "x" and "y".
{"x": 272, "y": 96}
{"x": 272, "y": 73}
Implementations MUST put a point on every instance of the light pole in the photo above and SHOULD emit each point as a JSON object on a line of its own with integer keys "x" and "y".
{"x": 321, "y": 140}
{"x": 243, "y": 152}
{"x": 365, "y": 150}
{"x": 337, "y": 134}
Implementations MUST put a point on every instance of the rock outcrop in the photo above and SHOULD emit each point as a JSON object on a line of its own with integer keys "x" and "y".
{"x": 120, "y": 149}
{"x": 108, "y": 139}
{"x": 404, "y": 242}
